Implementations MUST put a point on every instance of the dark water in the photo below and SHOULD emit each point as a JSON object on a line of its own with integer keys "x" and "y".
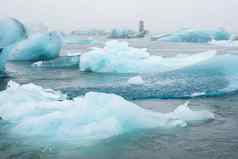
{"x": 214, "y": 140}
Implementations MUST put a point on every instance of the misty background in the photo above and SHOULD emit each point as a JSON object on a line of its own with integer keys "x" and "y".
{"x": 159, "y": 15}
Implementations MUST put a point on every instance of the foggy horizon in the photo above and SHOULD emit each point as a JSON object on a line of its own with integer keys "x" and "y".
{"x": 159, "y": 16}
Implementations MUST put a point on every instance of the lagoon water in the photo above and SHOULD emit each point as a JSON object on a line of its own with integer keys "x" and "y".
{"x": 210, "y": 85}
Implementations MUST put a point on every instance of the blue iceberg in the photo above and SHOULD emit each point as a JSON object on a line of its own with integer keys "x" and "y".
{"x": 37, "y": 47}
{"x": 11, "y": 31}
{"x": 196, "y": 35}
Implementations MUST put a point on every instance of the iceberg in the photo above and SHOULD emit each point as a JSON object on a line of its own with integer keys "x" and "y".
{"x": 36, "y": 111}
{"x": 11, "y": 31}
{"x": 196, "y": 35}
{"x": 119, "y": 57}
{"x": 40, "y": 46}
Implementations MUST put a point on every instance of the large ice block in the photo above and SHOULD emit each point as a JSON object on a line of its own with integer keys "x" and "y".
{"x": 41, "y": 46}
{"x": 196, "y": 35}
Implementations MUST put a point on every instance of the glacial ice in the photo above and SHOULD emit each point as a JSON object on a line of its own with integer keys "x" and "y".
{"x": 119, "y": 57}
{"x": 89, "y": 118}
{"x": 196, "y": 35}
{"x": 11, "y": 31}
{"x": 41, "y": 46}
{"x": 137, "y": 80}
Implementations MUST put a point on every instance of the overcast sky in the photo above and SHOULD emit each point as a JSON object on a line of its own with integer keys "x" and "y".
{"x": 159, "y": 15}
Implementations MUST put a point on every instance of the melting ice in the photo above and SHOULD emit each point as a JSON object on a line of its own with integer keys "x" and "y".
{"x": 95, "y": 116}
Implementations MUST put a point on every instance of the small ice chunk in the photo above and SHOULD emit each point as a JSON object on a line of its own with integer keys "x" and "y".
{"x": 184, "y": 113}
{"x": 137, "y": 80}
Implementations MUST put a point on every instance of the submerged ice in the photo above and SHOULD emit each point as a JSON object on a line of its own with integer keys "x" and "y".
{"x": 119, "y": 57}
{"x": 36, "y": 111}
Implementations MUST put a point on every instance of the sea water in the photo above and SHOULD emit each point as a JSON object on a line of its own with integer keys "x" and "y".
{"x": 39, "y": 122}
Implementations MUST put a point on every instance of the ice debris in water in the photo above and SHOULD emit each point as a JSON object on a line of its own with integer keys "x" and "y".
{"x": 196, "y": 35}
{"x": 137, "y": 80}
{"x": 119, "y": 57}
{"x": 95, "y": 116}
{"x": 11, "y": 31}
{"x": 40, "y": 46}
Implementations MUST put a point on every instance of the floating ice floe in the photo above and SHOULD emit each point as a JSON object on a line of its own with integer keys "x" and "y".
{"x": 196, "y": 35}
{"x": 11, "y": 31}
{"x": 39, "y": 46}
{"x": 137, "y": 80}
{"x": 89, "y": 118}
{"x": 119, "y": 57}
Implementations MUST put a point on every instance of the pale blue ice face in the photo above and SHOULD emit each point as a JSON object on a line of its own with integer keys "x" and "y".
{"x": 37, "y": 47}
